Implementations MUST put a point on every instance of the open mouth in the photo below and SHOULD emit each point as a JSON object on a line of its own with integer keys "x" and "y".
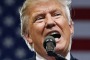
{"x": 55, "y": 34}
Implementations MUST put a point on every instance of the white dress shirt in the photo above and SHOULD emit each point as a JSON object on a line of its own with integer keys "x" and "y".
{"x": 38, "y": 57}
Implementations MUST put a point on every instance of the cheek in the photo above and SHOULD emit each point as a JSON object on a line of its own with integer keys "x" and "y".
{"x": 62, "y": 23}
{"x": 38, "y": 28}
{"x": 65, "y": 28}
{"x": 36, "y": 33}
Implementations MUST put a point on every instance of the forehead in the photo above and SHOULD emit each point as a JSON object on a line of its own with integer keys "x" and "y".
{"x": 45, "y": 6}
{"x": 36, "y": 2}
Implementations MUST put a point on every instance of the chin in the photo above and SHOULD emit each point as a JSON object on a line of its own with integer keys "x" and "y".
{"x": 59, "y": 49}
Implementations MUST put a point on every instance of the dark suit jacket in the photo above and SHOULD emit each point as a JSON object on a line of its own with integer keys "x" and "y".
{"x": 34, "y": 58}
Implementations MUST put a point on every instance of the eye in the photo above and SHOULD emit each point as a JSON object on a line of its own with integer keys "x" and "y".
{"x": 40, "y": 17}
{"x": 56, "y": 13}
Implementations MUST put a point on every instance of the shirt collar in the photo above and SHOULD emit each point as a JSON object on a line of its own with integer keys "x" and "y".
{"x": 68, "y": 56}
{"x": 38, "y": 57}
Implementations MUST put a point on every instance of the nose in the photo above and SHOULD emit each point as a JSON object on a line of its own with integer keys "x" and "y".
{"x": 49, "y": 21}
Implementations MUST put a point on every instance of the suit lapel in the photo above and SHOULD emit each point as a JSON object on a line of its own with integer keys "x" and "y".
{"x": 72, "y": 58}
{"x": 32, "y": 58}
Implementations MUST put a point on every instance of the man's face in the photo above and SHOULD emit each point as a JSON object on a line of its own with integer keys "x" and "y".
{"x": 49, "y": 18}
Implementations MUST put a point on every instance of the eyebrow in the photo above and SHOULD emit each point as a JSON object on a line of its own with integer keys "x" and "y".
{"x": 38, "y": 13}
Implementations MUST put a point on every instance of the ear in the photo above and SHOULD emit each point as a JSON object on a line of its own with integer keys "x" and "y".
{"x": 71, "y": 27}
{"x": 28, "y": 38}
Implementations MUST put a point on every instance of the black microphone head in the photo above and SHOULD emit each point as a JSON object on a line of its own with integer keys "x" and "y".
{"x": 49, "y": 39}
{"x": 49, "y": 44}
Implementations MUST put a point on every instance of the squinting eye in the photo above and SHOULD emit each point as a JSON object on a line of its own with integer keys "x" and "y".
{"x": 40, "y": 17}
{"x": 57, "y": 14}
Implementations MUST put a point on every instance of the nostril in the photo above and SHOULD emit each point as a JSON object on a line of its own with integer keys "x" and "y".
{"x": 50, "y": 25}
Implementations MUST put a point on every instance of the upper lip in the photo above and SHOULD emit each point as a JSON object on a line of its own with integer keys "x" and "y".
{"x": 50, "y": 33}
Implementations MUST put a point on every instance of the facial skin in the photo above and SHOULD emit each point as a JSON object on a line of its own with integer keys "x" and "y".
{"x": 45, "y": 18}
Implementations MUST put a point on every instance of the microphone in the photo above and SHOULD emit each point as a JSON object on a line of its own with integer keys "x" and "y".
{"x": 49, "y": 44}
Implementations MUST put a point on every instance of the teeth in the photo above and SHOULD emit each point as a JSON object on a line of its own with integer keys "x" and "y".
{"x": 54, "y": 33}
{"x": 56, "y": 39}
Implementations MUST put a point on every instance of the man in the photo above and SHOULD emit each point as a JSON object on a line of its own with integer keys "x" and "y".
{"x": 41, "y": 18}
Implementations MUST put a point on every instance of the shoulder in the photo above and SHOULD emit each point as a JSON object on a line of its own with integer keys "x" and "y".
{"x": 31, "y": 58}
{"x": 72, "y": 58}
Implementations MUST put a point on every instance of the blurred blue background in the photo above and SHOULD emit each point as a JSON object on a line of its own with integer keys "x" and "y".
{"x": 12, "y": 45}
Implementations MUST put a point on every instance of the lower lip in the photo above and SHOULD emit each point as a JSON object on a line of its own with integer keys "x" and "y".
{"x": 57, "y": 40}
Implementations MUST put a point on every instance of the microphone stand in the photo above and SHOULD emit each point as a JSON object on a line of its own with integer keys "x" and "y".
{"x": 57, "y": 56}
